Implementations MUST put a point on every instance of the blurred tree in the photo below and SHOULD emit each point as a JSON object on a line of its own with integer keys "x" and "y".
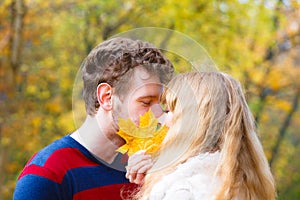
{"x": 11, "y": 44}
{"x": 278, "y": 112}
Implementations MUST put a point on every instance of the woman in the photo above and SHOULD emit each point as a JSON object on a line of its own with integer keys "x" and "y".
{"x": 211, "y": 150}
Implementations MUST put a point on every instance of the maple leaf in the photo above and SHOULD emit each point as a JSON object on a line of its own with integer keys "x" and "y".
{"x": 147, "y": 136}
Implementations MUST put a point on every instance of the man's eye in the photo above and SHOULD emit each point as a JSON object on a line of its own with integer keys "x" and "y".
{"x": 146, "y": 103}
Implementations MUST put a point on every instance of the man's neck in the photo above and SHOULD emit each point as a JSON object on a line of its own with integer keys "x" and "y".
{"x": 99, "y": 137}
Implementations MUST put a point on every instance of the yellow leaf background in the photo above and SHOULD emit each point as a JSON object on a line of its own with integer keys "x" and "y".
{"x": 255, "y": 41}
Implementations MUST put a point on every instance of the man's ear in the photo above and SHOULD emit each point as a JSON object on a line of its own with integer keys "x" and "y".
{"x": 104, "y": 96}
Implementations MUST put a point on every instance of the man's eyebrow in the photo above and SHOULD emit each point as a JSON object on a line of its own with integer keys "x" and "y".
{"x": 148, "y": 97}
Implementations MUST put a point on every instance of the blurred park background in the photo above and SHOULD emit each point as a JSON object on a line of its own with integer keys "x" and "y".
{"x": 43, "y": 43}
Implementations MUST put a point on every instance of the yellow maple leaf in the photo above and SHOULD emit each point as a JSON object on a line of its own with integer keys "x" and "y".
{"x": 147, "y": 136}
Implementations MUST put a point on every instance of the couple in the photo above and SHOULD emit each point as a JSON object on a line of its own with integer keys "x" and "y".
{"x": 211, "y": 150}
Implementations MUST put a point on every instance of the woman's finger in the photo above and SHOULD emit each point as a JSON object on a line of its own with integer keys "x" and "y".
{"x": 137, "y": 169}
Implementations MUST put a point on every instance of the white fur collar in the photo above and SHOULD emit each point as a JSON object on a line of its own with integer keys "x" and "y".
{"x": 193, "y": 179}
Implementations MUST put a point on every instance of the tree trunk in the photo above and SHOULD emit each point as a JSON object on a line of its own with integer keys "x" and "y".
{"x": 13, "y": 65}
{"x": 18, "y": 12}
{"x": 284, "y": 127}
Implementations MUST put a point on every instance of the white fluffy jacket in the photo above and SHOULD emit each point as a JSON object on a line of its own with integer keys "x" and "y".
{"x": 195, "y": 179}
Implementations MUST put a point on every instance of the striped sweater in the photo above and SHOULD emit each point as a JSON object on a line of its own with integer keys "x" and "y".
{"x": 66, "y": 170}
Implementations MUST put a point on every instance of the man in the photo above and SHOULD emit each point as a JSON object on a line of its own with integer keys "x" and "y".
{"x": 122, "y": 78}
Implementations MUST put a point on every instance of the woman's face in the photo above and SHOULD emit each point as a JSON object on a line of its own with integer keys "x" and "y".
{"x": 166, "y": 116}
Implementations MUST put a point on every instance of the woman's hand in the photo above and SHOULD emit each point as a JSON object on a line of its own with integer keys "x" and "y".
{"x": 138, "y": 165}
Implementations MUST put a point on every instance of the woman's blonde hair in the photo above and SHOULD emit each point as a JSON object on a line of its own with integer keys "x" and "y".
{"x": 210, "y": 114}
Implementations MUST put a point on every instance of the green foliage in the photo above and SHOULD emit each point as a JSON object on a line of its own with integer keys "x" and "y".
{"x": 242, "y": 37}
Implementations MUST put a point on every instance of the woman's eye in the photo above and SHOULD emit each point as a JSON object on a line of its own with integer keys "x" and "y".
{"x": 166, "y": 111}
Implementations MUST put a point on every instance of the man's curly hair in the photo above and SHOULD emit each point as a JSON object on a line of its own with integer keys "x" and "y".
{"x": 113, "y": 61}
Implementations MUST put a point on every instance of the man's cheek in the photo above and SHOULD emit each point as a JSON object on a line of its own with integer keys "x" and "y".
{"x": 136, "y": 113}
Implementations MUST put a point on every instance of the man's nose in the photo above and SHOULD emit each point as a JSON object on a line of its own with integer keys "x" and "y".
{"x": 157, "y": 110}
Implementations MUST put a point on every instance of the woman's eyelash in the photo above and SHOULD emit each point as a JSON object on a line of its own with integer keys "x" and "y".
{"x": 166, "y": 111}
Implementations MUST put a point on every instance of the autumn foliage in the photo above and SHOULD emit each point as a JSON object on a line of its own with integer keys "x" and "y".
{"x": 43, "y": 43}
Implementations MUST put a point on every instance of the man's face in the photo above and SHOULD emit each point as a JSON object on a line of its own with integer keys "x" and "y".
{"x": 144, "y": 93}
